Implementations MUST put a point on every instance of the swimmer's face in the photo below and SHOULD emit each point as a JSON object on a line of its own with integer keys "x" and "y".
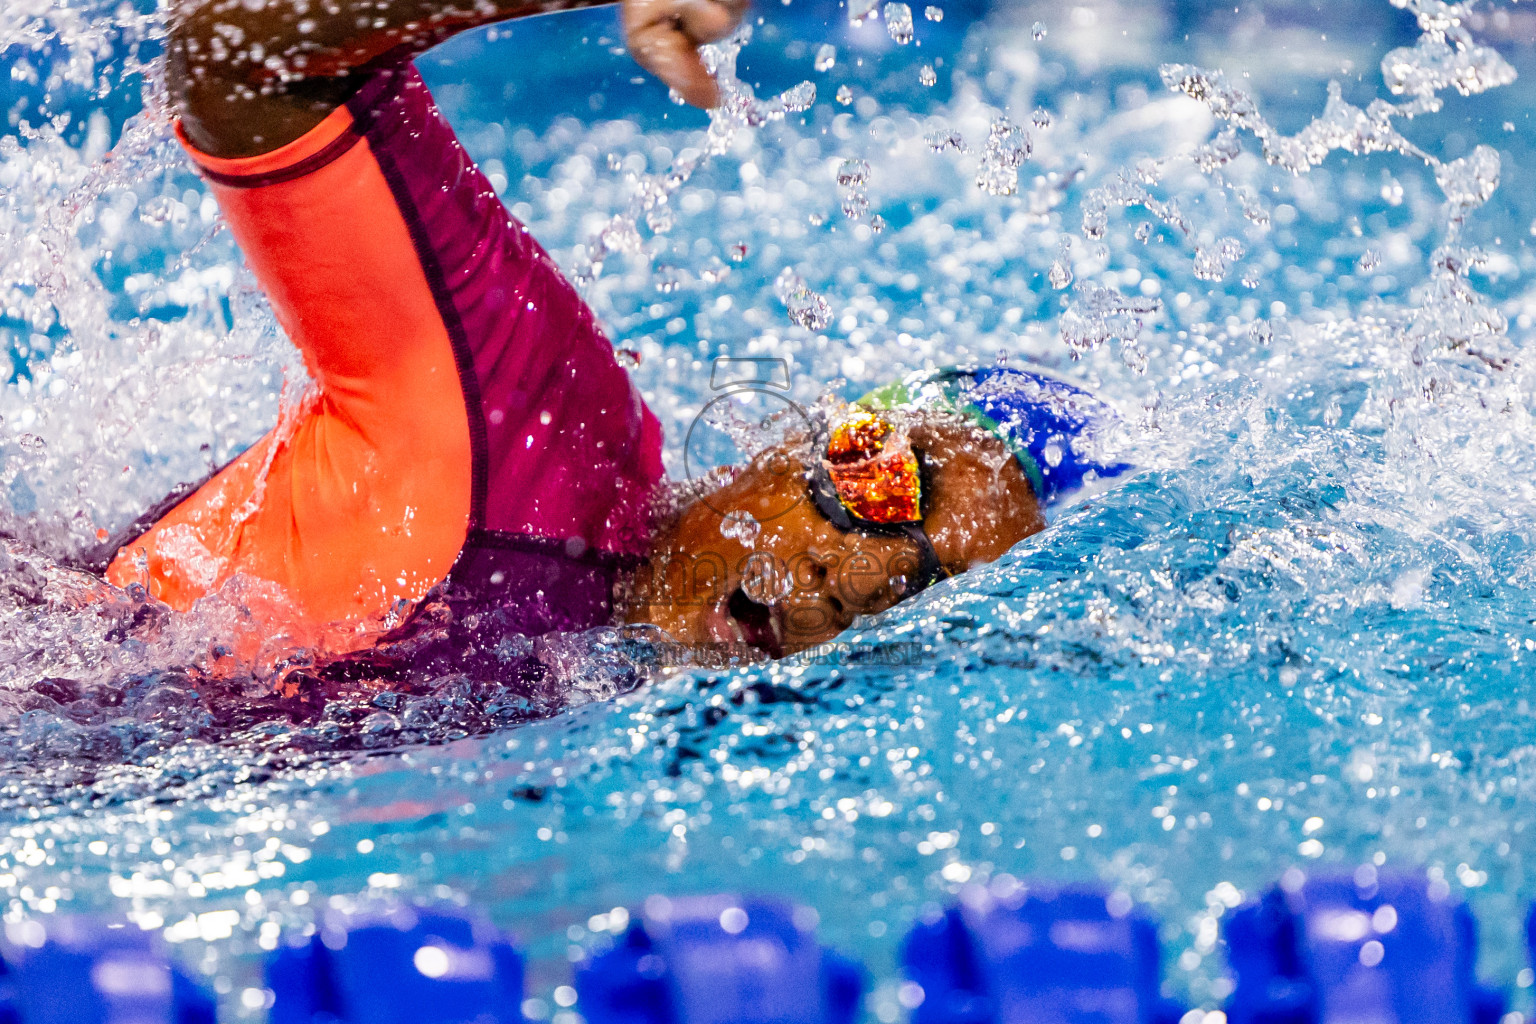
{"x": 800, "y": 581}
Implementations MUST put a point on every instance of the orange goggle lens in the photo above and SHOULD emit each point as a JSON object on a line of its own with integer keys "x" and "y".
{"x": 876, "y": 481}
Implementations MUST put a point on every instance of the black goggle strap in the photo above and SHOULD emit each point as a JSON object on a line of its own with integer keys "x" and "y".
{"x": 825, "y": 497}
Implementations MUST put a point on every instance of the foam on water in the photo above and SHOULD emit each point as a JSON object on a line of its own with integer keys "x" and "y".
{"x": 1300, "y": 634}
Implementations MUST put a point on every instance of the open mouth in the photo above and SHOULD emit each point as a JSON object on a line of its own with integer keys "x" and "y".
{"x": 760, "y": 625}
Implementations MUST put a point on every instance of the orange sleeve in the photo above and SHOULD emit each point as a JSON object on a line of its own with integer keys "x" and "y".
{"x": 361, "y": 498}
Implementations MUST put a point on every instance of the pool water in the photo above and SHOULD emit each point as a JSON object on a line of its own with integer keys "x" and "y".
{"x": 1300, "y": 635}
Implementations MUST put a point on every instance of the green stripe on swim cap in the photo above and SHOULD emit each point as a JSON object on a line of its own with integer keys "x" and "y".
{"x": 941, "y": 390}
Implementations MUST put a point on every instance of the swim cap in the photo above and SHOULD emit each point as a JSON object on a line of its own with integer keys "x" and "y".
{"x": 1053, "y": 429}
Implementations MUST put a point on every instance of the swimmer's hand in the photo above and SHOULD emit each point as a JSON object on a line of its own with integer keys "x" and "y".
{"x": 664, "y": 37}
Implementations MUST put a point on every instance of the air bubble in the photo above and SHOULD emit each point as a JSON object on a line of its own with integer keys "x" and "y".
{"x": 898, "y": 22}
{"x": 826, "y": 57}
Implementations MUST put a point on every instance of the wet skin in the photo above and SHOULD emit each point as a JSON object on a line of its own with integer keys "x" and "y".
{"x": 801, "y": 581}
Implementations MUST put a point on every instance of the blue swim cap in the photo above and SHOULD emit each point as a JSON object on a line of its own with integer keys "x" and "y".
{"x": 1055, "y": 430}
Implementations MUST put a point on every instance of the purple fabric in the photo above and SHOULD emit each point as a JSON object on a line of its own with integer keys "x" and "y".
{"x": 566, "y": 453}
{"x": 564, "y": 447}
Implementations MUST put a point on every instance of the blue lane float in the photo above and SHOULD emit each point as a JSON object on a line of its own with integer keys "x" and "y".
{"x": 1384, "y": 949}
{"x": 406, "y": 966}
{"x": 1367, "y": 948}
{"x": 77, "y": 970}
{"x": 719, "y": 960}
{"x": 1016, "y": 952}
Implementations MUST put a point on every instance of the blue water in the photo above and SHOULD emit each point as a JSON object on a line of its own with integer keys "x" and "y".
{"x": 1301, "y": 635}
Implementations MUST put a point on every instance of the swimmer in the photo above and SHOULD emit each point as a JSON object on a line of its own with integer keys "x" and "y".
{"x": 472, "y": 446}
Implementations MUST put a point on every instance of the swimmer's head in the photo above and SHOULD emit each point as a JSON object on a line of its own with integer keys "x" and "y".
{"x": 918, "y": 481}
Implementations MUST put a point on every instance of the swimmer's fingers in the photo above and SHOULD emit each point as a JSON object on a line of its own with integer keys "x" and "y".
{"x": 709, "y": 21}
{"x": 664, "y": 37}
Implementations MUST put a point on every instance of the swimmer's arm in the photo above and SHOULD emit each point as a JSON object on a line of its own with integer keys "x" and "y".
{"x": 246, "y": 78}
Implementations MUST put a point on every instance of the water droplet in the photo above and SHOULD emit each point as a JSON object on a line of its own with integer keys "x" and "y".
{"x": 877, "y": 224}
{"x": 941, "y": 140}
{"x": 826, "y": 57}
{"x": 933, "y": 13}
{"x": 740, "y": 525}
{"x": 1133, "y": 356}
{"x": 32, "y": 443}
{"x": 1213, "y": 263}
{"x": 1470, "y": 181}
{"x": 806, "y": 308}
{"x": 809, "y": 310}
{"x": 764, "y": 582}
{"x": 1008, "y": 146}
{"x": 844, "y": 95}
{"x": 1262, "y": 332}
{"x": 158, "y": 210}
{"x": 898, "y": 21}
{"x": 1099, "y": 315}
{"x": 627, "y": 358}
{"x": 1041, "y": 118}
{"x": 797, "y": 98}
{"x": 1369, "y": 260}
{"x": 1060, "y": 274}
{"x": 620, "y": 235}
{"x": 1143, "y": 231}
{"x": 816, "y": 218}
{"x": 739, "y": 251}
{"x": 860, "y": 10}
{"x": 926, "y": 75}
{"x": 668, "y": 278}
{"x": 1038, "y": 31}
{"x": 853, "y": 173}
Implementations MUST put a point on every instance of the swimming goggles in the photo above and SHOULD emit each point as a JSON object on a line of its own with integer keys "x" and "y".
{"x": 867, "y": 478}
